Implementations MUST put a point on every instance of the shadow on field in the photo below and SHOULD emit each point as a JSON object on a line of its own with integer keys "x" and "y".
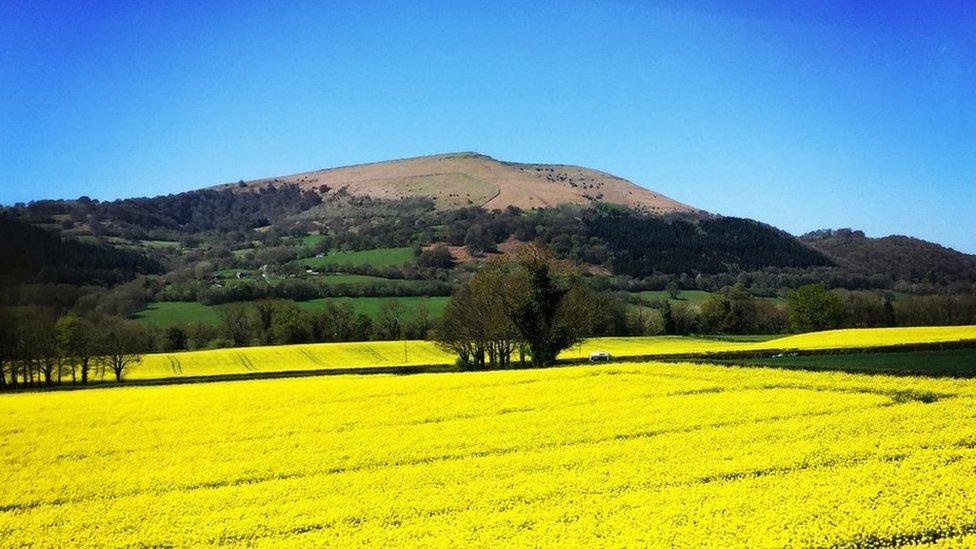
{"x": 955, "y": 359}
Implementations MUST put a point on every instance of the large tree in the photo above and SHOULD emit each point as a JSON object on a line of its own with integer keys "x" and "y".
{"x": 475, "y": 324}
{"x": 121, "y": 344}
{"x": 813, "y": 307}
{"x": 536, "y": 303}
{"x": 236, "y": 323}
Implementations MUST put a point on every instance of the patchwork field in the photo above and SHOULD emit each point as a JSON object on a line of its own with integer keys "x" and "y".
{"x": 621, "y": 455}
{"x": 380, "y": 257}
{"x": 321, "y": 356}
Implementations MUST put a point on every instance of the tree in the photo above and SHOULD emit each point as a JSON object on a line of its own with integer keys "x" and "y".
{"x": 673, "y": 289}
{"x": 339, "y": 319}
{"x": 667, "y": 317}
{"x": 289, "y": 324}
{"x": 174, "y": 339}
{"x": 475, "y": 324}
{"x": 390, "y": 318}
{"x": 39, "y": 341}
{"x": 265, "y": 310}
{"x": 420, "y": 324}
{"x": 7, "y": 344}
{"x": 550, "y": 310}
{"x": 478, "y": 240}
{"x": 235, "y": 324}
{"x": 438, "y": 257}
{"x": 76, "y": 338}
{"x": 813, "y": 307}
{"x": 121, "y": 344}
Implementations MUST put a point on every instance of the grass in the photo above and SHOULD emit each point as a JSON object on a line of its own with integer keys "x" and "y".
{"x": 379, "y": 258}
{"x": 370, "y": 306}
{"x": 621, "y": 455}
{"x": 690, "y": 296}
{"x": 949, "y": 362}
{"x": 313, "y": 239}
{"x": 159, "y": 243}
{"x": 357, "y": 279}
{"x": 168, "y": 313}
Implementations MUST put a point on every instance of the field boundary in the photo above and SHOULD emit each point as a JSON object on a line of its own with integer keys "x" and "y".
{"x": 722, "y": 358}
{"x": 771, "y": 352}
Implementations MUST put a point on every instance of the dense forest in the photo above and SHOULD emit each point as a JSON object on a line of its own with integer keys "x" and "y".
{"x": 32, "y": 255}
{"x": 643, "y": 245}
{"x": 899, "y": 257}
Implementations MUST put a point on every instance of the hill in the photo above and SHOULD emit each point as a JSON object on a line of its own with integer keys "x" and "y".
{"x": 899, "y": 257}
{"x": 33, "y": 255}
{"x": 470, "y": 179}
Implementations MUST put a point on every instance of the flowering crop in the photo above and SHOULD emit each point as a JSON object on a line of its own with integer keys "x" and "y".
{"x": 366, "y": 354}
{"x": 620, "y": 455}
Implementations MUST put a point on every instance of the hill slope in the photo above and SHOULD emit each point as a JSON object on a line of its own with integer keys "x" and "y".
{"x": 471, "y": 179}
{"x": 900, "y": 257}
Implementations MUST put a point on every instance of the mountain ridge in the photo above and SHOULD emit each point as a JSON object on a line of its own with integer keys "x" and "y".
{"x": 462, "y": 179}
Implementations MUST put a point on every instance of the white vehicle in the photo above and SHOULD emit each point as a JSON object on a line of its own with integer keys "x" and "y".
{"x": 601, "y": 356}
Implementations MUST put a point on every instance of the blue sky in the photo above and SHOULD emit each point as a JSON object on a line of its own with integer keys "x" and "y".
{"x": 800, "y": 114}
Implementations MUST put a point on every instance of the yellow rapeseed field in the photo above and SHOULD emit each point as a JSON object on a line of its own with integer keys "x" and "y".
{"x": 284, "y": 358}
{"x": 319, "y": 356}
{"x": 610, "y": 455}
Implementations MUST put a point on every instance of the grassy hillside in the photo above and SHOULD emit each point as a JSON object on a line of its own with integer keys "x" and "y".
{"x": 639, "y": 454}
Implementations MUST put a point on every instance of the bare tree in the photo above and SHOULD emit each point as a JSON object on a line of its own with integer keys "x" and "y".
{"x": 76, "y": 338}
{"x": 121, "y": 344}
{"x": 391, "y": 319}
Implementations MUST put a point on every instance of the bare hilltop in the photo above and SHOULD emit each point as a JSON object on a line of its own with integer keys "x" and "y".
{"x": 471, "y": 179}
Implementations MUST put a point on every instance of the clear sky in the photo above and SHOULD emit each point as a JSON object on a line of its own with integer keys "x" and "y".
{"x": 804, "y": 115}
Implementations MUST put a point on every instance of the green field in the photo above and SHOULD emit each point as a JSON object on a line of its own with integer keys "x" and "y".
{"x": 313, "y": 239}
{"x": 380, "y": 257}
{"x": 159, "y": 243}
{"x": 168, "y": 313}
{"x": 687, "y": 296}
{"x": 951, "y": 362}
{"x": 333, "y": 279}
{"x": 691, "y": 296}
{"x": 370, "y": 306}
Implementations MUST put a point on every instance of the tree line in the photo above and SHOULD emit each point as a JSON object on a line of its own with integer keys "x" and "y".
{"x": 38, "y": 348}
